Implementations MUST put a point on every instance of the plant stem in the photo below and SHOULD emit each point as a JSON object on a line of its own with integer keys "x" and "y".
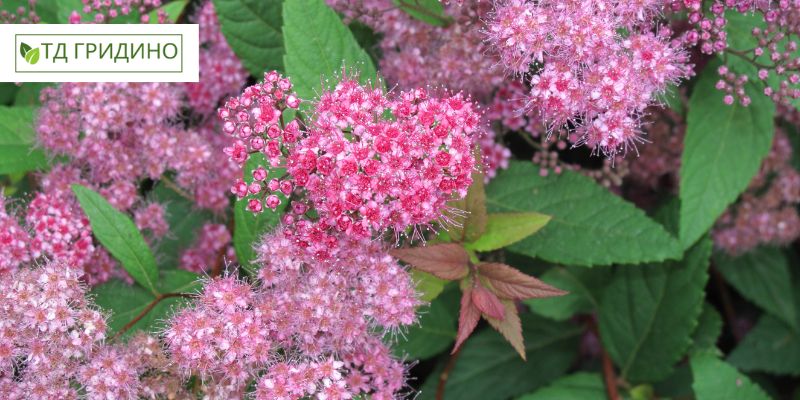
{"x": 609, "y": 375}
{"x": 146, "y": 310}
{"x": 451, "y": 363}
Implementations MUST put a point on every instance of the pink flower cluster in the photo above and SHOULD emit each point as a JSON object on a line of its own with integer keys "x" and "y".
{"x": 361, "y": 172}
{"x": 48, "y": 330}
{"x": 585, "y": 73}
{"x": 318, "y": 318}
{"x": 364, "y": 173}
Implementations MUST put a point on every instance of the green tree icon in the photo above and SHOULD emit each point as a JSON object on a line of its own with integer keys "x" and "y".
{"x": 31, "y": 55}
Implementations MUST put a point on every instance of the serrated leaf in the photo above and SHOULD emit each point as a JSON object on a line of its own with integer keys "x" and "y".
{"x": 434, "y": 332}
{"x": 250, "y": 227}
{"x": 17, "y": 141}
{"x": 771, "y": 346}
{"x": 428, "y": 11}
{"x": 723, "y": 149}
{"x": 253, "y": 30}
{"x": 714, "y": 379}
{"x": 589, "y": 225}
{"x": 126, "y": 302}
{"x": 318, "y": 46}
{"x": 488, "y": 368}
{"x": 119, "y": 235}
{"x": 583, "y": 286}
{"x": 510, "y": 283}
{"x": 447, "y": 260}
{"x": 648, "y": 313}
{"x": 709, "y": 327}
{"x": 505, "y": 229}
{"x": 510, "y": 326}
{"x": 468, "y": 317}
{"x": 762, "y": 276}
{"x": 581, "y": 385}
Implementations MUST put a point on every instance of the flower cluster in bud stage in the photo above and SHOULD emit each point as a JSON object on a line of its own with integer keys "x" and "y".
{"x": 102, "y": 11}
{"x": 20, "y": 15}
{"x": 773, "y": 50}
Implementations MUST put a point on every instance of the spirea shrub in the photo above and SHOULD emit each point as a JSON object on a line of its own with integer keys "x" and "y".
{"x": 388, "y": 199}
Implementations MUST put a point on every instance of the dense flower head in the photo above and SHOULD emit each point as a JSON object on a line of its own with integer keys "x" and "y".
{"x": 152, "y": 218}
{"x": 48, "y": 328}
{"x": 586, "y": 73}
{"x": 225, "y": 336}
{"x": 364, "y": 173}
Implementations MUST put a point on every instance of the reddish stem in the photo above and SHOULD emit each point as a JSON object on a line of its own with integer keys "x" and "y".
{"x": 451, "y": 363}
{"x": 609, "y": 375}
{"x": 146, "y": 310}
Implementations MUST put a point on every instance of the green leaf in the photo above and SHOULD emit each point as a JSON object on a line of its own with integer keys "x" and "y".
{"x": 126, "y": 302}
{"x": 318, "y": 46}
{"x": 723, "y": 150}
{"x": 117, "y": 232}
{"x": 714, "y": 379}
{"x": 24, "y": 48}
{"x": 581, "y": 385}
{"x": 762, "y": 276}
{"x": 504, "y": 229}
{"x": 648, "y": 313}
{"x": 434, "y": 332}
{"x": 253, "y": 30}
{"x": 428, "y": 11}
{"x": 489, "y": 368}
{"x": 583, "y": 286}
{"x": 589, "y": 225}
{"x": 17, "y": 141}
{"x": 709, "y": 327}
{"x": 427, "y": 284}
{"x": 249, "y": 227}
{"x": 772, "y": 346}
{"x": 184, "y": 222}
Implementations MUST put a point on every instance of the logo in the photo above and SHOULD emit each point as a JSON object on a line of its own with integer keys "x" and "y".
{"x": 30, "y": 55}
{"x": 100, "y": 53}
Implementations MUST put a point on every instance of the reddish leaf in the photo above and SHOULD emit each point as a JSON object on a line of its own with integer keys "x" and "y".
{"x": 468, "y": 318}
{"x": 487, "y": 302}
{"x": 510, "y": 327}
{"x": 510, "y": 283}
{"x": 447, "y": 261}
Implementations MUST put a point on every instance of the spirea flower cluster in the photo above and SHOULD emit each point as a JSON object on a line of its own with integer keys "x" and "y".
{"x": 361, "y": 172}
{"x": 583, "y": 70}
{"x": 310, "y": 324}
